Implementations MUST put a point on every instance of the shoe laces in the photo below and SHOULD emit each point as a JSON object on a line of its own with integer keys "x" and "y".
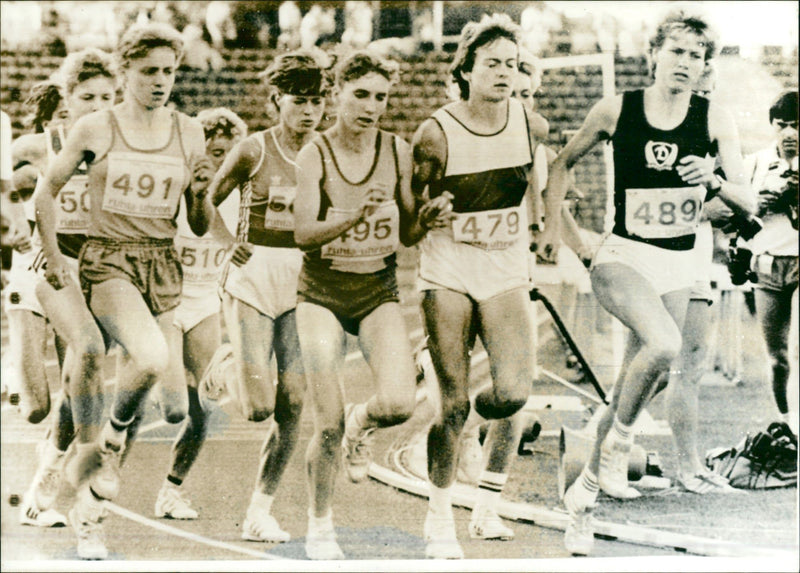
{"x": 177, "y": 497}
{"x": 50, "y": 481}
{"x": 361, "y": 444}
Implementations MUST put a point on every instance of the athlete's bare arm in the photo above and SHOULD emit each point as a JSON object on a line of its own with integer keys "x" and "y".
{"x": 30, "y": 148}
{"x": 198, "y": 202}
{"x": 414, "y": 223}
{"x": 235, "y": 169}
{"x": 600, "y": 124}
{"x": 735, "y": 191}
{"x": 89, "y": 137}
{"x": 234, "y": 172}
{"x": 538, "y": 125}
{"x": 309, "y": 233}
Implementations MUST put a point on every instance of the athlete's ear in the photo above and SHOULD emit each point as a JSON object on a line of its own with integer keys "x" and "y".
{"x": 274, "y": 100}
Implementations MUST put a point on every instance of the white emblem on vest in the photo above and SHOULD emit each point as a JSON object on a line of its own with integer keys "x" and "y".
{"x": 660, "y": 155}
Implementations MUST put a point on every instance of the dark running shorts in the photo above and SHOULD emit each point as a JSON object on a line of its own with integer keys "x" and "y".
{"x": 151, "y": 265}
{"x": 349, "y": 296}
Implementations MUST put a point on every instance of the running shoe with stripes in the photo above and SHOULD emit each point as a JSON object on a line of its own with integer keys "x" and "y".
{"x": 172, "y": 504}
{"x": 321, "y": 544}
{"x": 579, "y": 533}
{"x": 356, "y": 446}
{"x": 213, "y": 385}
{"x": 29, "y": 514}
{"x": 44, "y": 488}
{"x": 706, "y": 482}
{"x": 613, "y": 473}
{"x": 260, "y": 525}
{"x": 486, "y": 524}
{"x": 440, "y": 535}
{"x": 88, "y": 526}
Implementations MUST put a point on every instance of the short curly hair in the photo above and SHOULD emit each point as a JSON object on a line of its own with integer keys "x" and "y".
{"x": 222, "y": 121}
{"x": 690, "y": 18}
{"x": 139, "y": 39}
{"x": 85, "y": 65}
{"x": 475, "y": 35}
{"x": 362, "y": 62}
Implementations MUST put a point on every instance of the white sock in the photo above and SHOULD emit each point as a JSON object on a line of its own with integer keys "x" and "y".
{"x": 490, "y": 487}
{"x": 621, "y": 431}
{"x": 262, "y": 501}
{"x": 51, "y": 455}
{"x": 440, "y": 499}
{"x": 317, "y": 523}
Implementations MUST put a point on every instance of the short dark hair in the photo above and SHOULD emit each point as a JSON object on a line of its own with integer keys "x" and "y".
{"x": 298, "y": 73}
{"x": 784, "y": 108}
{"x": 476, "y": 35}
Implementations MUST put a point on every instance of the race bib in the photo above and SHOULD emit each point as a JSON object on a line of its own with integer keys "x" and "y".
{"x": 202, "y": 260}
{"x": 663, "y": 213}
{"x": 279, "y": 215}
{"x": 491, "y": 230}
{"x": 373, "y": 239}
{"x": 143, "y": 184}
{"x": 72, "y": 206}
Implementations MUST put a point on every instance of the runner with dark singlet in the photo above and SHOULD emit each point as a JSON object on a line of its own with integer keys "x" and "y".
{"x": 663, "y": 137}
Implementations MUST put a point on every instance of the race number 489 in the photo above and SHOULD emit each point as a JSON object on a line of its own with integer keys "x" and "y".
{"x": 663, "y": 213}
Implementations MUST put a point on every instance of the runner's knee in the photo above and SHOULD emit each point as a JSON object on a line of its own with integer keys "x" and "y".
{"x": 455, "y": 412}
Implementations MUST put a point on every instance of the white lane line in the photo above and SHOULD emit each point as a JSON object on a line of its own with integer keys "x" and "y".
{"x": 121, "y": 511}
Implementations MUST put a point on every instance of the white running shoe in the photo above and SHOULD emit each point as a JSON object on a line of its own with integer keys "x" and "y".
{"x": 45, "y": 486}
{"x": 262, "y": 526}
{"x": 172, "y": 504}
{"x": 706, "y": 482}
{"x": 613, "y": 473}
{"x": 321, "y": 542}
{"x": 486, "y": 524}
{"x": 89, "y": 529}
{"x": 356, "y": 446}
{"x": 440, "y": 535}
{"x": 470, "y": 457}
{"x": 579, "y": 534}
{"x": 29, "y": 514}
{"x": 213, "y": 386}
{"x": 105, "y": 481}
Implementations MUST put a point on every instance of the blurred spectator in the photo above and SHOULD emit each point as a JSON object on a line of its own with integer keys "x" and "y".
{"x": 538, "y": 21}
{"x": 219, "y": 23}
{"x": 358, "y": 24}
{"x": 99, "y": 27}
{"x": 316, "y": 23}
{"x": 199, "y": 54}
{"x": 54, "y": 31}
{"x": 20, "y": 23}
{"x": 256, "y": 24}
{"x": 289, "y": 19}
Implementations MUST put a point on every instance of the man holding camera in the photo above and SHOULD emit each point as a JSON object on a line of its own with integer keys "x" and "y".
{"x": 773, "y": 264}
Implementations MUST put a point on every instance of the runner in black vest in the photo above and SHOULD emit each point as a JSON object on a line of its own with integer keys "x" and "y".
{"x": 642, "y": 273}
